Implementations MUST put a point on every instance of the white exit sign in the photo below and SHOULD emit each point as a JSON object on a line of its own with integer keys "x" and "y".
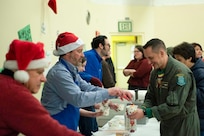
{"x": 124, "y": 26}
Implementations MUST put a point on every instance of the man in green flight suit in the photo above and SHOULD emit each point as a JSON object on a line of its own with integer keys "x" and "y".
{"x": 171, "y": 95}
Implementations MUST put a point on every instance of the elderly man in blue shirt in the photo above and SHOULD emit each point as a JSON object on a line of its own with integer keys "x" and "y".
{"x": 65, "y": 91}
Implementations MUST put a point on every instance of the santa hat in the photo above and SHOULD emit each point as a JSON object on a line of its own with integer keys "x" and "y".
{"x": 53, "y": 5}
{"x": 24, "y": 55}
{"x": 67, "y": 42}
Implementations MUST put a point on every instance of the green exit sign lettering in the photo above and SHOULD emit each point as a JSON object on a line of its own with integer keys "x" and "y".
{"x": 124, "y": 26}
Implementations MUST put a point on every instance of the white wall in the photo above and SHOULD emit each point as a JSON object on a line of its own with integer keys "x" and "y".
{"x": 71, "y": 17}
{"x": 172, "y": 23}
{"x": 175, "y": 24}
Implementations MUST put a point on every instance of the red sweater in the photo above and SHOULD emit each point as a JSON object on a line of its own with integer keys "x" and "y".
{"x": 141, "y": 76}
{"x": 21, "y": 112}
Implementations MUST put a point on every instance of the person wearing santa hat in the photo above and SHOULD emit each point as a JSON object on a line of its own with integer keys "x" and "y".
{"x": 21, "y": 77}
{"x": 65, "y": 91}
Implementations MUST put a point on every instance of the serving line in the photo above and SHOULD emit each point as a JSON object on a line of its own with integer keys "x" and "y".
{"x": 150, "y": 128}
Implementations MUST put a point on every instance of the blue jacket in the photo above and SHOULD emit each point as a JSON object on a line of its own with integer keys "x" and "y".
{"x": 198, "y": 71}
{"x": 93, "y": 65}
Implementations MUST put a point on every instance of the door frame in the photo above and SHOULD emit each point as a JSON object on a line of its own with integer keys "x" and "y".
{"x": 136, "y": 38}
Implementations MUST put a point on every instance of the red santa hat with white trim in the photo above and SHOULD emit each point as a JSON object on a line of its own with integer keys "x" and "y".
{"x": 25, "y": 55}
{"x": 66, "y": 42}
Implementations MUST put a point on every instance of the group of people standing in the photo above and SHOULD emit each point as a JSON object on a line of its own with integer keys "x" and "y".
{"x": 64, "y": 93}
{"x": 97, "y": 72}
{"x": 74, "y": 86}
{"x": 176, "y": 88}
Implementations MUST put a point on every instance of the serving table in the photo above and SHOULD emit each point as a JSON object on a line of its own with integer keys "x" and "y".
{"x": 117, "y": 127}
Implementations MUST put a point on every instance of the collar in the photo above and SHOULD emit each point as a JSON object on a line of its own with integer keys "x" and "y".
{"x": 97, "y": 55}
{"x": 7, "y": 72}
{"x": 68, "y": 65}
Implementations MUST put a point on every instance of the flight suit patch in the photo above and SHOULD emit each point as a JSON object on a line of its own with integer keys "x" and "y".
{"x": 181, "y": 80}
